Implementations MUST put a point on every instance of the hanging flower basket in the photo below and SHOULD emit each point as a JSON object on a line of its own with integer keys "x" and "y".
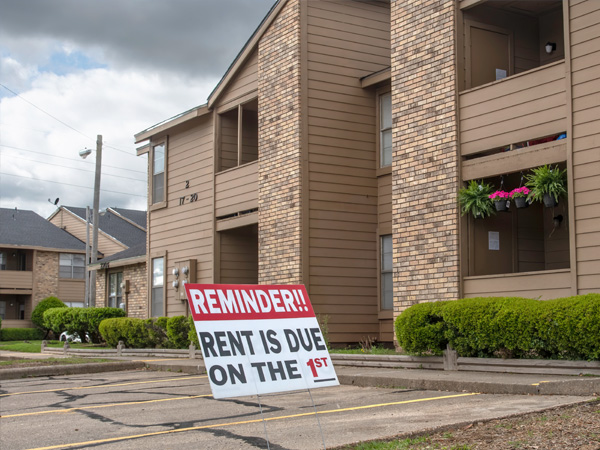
{"x": 474, "y": 199}
{"x": 519, "y": 196}
{"x": 549, "y": 201}
{"x": 500, "y": 199}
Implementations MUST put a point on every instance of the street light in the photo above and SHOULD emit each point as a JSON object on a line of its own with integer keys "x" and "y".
{"x": 84, "y": 154}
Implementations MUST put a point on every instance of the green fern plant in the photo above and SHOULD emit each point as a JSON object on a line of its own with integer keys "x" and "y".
{"x": 475, "y": 199}
{"x": 546, "y": 180}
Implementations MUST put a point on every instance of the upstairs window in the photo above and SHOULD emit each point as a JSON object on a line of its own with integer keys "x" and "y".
{"x": 158, "y": 173}
{"x": 71, "y": 266}
{"x": 2, "y": 260}
{"x": 385, "y": 130}
{"x": 238, "y": 136}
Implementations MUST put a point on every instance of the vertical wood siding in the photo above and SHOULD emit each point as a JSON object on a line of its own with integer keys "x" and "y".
{"x": 184, "y": 231}
{"x": 585, "y": 58}
{"x": 346, "y": 41}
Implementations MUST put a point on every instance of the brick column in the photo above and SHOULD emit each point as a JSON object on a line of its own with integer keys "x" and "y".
{"x": 279, "y": 184}
{"x": 45, "y": 277}
{"x": 425, "y": 160}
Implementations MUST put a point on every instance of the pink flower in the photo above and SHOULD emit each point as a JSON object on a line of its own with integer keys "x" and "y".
{"x": 499, "y": 195}
{"x": 519, "y": 192}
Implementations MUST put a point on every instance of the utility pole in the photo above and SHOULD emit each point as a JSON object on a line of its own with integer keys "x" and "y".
{"x": 87, "y": 256}
{"x": 95, "y": 219}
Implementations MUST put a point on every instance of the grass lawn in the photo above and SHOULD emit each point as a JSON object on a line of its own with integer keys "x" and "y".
{"x": 36, "y": 346}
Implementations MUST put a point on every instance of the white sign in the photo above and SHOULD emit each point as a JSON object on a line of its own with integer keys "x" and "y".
{"x": 259, "y": 339}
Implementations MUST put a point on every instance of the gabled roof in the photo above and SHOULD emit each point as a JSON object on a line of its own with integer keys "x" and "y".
{"x": 27, "y": 229}
{"x": 133, "y": 215}
{"x": 115, "y": 226}
{"x": 133, "y": 255}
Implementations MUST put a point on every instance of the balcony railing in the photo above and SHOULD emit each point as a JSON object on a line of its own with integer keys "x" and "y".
{"x": 15, "y": 280}
{"x": 525, "y": 106}
{"x": 236, "y": 190}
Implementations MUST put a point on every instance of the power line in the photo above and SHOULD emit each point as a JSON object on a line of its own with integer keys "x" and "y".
{"x": 47, "y": 113}
{"x": 68, "y": 184}
{"x": 71, "y": 159}
{"x": 64, "y": 123}
{"x": 80, "y": 170}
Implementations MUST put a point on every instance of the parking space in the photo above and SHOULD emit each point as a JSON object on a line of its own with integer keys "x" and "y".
{"x": 163, "y": 410}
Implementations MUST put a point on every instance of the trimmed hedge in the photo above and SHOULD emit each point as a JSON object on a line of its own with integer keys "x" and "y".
{"x": 161, "y": 332}
{"x": 565, "y": 328}
{"x": 22, "y": 334}
{"x": 37, "y": 316}
{"x": 79, "y": 320}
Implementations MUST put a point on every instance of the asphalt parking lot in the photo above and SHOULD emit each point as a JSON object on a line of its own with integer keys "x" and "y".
{"x": 145, "y": 409}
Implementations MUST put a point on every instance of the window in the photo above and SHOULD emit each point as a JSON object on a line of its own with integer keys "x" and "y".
{"x": 2, "y": 310}
{"x": 385, "y": 130}
{"x": 71, "y": 266}
{"x": 158, "y": 173}
{"x": 157, "y": 287}
{"x": 115, "y": 291}
{"x": 387, "y": 286}
{"x": 2, "y": 261}
{"x": 238, "y": 136}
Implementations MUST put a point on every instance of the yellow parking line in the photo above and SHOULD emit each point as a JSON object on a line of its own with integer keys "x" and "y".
{"x": 105, "y": 385}
{"x": 537, "y": 384}
{"x": 57, "y": 411}
{"x": 268, "y": 419}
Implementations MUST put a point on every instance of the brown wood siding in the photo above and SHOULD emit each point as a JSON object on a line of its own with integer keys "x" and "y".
{"x": 546, "y": 285}
{"x": 75, "y": 226}
{"x": 71, "y": 290}
{"x": 236, "y": 190}
{"x": 184, "y": 229}
{"x": 246, "y": 81}
{"x": 239, "y": 255}
{"x": 16, "y": 279}
{"x": 523, "y": 107}
{"x": 585, "y": 59}
{"x": 345, "y": 41}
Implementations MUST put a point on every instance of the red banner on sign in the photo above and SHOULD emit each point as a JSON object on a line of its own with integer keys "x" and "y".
{"x": 247, "y": 302}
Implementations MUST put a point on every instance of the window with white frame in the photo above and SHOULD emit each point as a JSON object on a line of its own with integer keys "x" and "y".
{"x": 158, "y": 173}
{"x": 157, "y": 302}
{"x": 385, "y": 129}
{"x": 387, "y": 286}
{"x": 71, "y": 266}
{"x": 115, "y": 291}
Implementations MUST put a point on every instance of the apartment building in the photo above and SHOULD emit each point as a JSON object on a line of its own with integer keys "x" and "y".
{"x": 332, "y": 151}
{"x": 37, "y": 260}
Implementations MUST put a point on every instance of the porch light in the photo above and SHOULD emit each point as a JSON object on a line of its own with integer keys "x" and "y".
{"x": 550, "y": 47}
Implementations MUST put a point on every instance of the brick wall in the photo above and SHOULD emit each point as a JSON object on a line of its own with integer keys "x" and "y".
{"x": 279, "y": 182}
{"x": 424, "y": 170}
{"x": 45, "y": 278}
{"x": 137, "y": 299}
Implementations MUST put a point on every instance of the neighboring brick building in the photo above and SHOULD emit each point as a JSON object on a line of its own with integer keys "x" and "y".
{"x": 37, "y": 260}
{"x": 332, "y": 151}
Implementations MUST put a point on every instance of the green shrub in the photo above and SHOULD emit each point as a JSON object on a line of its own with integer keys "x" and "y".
{"x": 135, "y": 333}
{"x": 22, "y": 334}
{"x": 192, "y": 334}
{"x": 56, "y": 319}
{"x": 37, "y": 316}
{"x": 566, "y": 328}
{"x": 420, "y": 329}
{"x": 178, "y": 332}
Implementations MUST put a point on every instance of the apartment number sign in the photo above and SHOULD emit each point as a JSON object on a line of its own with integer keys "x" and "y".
{"x": 188, "y": 198}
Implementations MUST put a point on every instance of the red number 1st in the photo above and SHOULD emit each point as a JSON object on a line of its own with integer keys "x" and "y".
{"x": 315, "y": 363}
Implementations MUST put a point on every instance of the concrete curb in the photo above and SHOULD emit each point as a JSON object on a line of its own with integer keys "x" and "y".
{"x": 70, "y": 369}
{"x": 175, "y": 367}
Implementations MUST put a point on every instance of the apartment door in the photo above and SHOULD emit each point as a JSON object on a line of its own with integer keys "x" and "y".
{"x": 489, "y": 55}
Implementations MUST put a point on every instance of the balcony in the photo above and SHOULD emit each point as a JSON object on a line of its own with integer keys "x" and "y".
{"x": 522, "y": 107}
{"x": 16, "y": 282}
{"x": 236, "y": 190}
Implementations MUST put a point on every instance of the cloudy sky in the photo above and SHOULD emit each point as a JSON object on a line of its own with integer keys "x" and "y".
{"x": 73, "y": 69}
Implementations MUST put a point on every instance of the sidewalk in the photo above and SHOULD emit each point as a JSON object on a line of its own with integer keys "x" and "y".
{"x": 439, "y": 380}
